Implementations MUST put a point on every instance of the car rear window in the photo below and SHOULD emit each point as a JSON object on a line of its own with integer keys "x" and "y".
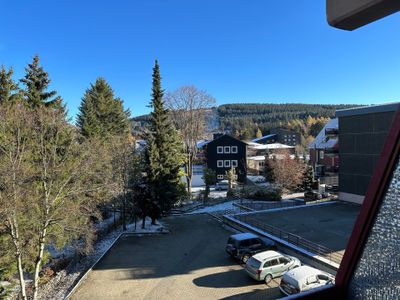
{"x": 254, "y": 263}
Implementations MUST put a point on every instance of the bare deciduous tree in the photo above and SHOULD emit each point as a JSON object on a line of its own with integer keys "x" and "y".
{"x": 287, "y": 172}
{"x": 188, "y": 106}
{"x": 49, "y": 183}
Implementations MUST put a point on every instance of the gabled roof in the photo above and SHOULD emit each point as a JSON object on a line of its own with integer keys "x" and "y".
{"x": 223, "y": 136}
{"x": 321, "y": 141}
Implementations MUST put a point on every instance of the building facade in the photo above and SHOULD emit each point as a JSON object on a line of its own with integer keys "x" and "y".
{"x": 286, "y": 136}
{"x": 362, "y": 134}
{"x": 224, "y": 153}
{"x": 324, "y": 154}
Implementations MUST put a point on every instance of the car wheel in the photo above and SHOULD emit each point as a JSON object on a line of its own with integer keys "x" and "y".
{"x": 268, "y": 278}
{"x": 245, "y": 257}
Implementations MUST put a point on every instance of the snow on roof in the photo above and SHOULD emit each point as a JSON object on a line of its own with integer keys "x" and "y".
{"x": 320, "y": 141}
{"x": 263, "y": 137}
{"x": 257, "y": 158}
{"x": 269, "y": 146}
{"x": 202, "y": 143}
{"x": 244, "y": 236}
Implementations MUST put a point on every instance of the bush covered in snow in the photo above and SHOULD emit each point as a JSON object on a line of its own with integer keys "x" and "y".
{"x": 269, "y": 193}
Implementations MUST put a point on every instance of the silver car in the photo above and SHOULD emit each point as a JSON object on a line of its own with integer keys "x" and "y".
{"x": 270, "y": 264}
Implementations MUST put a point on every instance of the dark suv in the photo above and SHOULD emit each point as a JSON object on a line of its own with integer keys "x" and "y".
{"x": 244, "y": 245}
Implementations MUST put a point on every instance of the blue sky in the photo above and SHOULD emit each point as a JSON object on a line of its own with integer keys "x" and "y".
{"x": 239, "y": 51}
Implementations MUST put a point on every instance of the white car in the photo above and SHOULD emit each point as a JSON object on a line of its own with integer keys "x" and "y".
{"x": 304, "y": 278}
{"x": 223, "y": 185}
{"x": 270, "y": 264}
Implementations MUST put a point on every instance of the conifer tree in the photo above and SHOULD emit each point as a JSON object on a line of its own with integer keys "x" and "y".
{"x": 308, "y": 178}
{"x": 9, "y": 91}
{"x": 163, "y": 153}
{"x": 37, "y": 81}
{"x": 100, "y": 114}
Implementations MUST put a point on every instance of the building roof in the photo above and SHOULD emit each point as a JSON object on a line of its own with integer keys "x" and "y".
{"x": 321, "y": 141}
{"x": 364, "y": 110}
{"x": 244, "y": 236}
{"x": 263, "y": 137}
{"x": 268, "y": 146}
{"x": 202, "y": 143}
{"x": 256, "y": 158}
{"x": 225, "y": 135}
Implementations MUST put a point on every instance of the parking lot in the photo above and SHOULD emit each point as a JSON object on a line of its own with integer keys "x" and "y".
{"x": 329, "y": 225}
{"x": 188, "y": 263}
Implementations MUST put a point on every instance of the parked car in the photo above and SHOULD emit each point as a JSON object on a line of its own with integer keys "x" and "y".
{"x": 304, "y": 278}
{"x": 224, "y": 185}
{"x": 314, "y": 195}
{"x": 270, "y": 264}
{"x": 243, "y": 245}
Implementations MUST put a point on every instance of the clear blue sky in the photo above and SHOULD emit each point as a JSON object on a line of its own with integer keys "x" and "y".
{"x": 239, "y": 51}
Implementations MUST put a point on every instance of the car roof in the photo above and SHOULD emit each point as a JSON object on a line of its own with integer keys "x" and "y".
{"x": 303, "y": 271}
{"x": 266, "y": 255}
{"x": 244, "y": 236}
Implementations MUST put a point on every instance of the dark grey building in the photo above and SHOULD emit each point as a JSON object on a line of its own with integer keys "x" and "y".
{"x": 286, "y": 137}
{"x": 224, "y": 153}
{"x": 362, "y": 133}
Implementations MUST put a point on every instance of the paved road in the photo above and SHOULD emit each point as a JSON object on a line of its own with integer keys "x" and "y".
{"x": 187, "y": 263}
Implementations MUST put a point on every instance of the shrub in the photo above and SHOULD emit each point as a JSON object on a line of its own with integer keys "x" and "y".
{"x": 269, "y": 193}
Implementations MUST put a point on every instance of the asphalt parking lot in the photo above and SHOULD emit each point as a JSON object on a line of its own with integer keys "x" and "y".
{"x": 188, "y": 263}
{"x": 329, "y": 225}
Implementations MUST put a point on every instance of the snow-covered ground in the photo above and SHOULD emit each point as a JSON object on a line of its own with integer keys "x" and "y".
{"x": 59, "y": 286}
{"x": 217, "y": 207}
{"x": 213, "y": 192}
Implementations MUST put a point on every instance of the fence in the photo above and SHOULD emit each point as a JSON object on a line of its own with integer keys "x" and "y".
{"x": 259, "y": 205}
{"x": 296, "y": 240}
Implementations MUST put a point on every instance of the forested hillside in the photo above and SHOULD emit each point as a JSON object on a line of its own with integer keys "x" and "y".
{"x": 244, "y": 120}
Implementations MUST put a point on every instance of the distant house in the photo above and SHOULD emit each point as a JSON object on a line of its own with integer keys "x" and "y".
{"x": 324, "y": 153}
{"x": 256, "y": 154}
{"x": 286, "y": 136}
{"x": 225, "y": 152}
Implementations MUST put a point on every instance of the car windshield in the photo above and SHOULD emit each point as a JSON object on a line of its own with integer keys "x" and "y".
{"x": 254, "y": 263}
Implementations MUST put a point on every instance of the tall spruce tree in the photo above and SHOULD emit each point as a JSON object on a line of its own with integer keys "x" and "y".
{"x": 164, "y": 155}
{"x": 36, "y": 82}
{"x": 100, "y": 114}
{"x": 9, "y": 91}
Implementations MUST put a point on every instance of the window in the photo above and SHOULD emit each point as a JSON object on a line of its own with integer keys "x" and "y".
{"x": 220, "y": 163}
{"x": 227, "y": 149}
{"x": 312, "y": 279}
{"x": 271, "y": 263}
{"x": 284, "y": 260}
{"x": 234, "y": 163}
{"x": 321, "y": 154}
{"x": 220, "y": 176}
{"x": 220, "y": 149}
{"x": 227, "y": 163}
{"x": 234, "y": 149}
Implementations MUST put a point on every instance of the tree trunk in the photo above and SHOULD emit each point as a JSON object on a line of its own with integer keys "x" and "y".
{"x": 143, "y": 222}
{"x": 153, "y": 221}
{"x": 189, "y": 174}
{"x": 123, "y": 212}
{"x": 21, "y": 276}
{"x": 206, "y": 193}
{"x": 15, "y": 238}
{"x": 38, "y": 263}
